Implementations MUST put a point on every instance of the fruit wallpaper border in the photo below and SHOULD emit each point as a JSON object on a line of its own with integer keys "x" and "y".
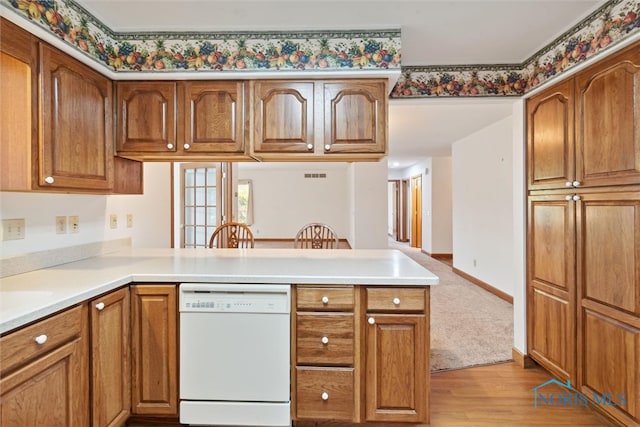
{"x": 212, "y": 52}
{"x": 326, "y": 50}
{"x": 613, "y": 22}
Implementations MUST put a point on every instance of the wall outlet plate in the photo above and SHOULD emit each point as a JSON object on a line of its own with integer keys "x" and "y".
{"x": 61, "y": 225}
{"x": 13, "y": 229}
{"x": 74, "y": 224}
{"x": 113, "y": 221}
{"x": 129, "y": 220}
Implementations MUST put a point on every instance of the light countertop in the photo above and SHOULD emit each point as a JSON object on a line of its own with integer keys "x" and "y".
{"x": 30, "y": 296}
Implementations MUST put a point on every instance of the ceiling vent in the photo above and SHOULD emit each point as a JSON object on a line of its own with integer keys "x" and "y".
{"x": 315, "y": 175}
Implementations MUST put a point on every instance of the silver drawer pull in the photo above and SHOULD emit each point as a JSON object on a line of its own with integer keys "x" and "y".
{"x": 49, "y": 180}
{"x": 309, "y": 146}
{"x": 325, "y": 395}
{"x": 325, "y": 340}
{"x": 100, "y": 306}
{"x": 170, "y": 146}
{"x": 41, "y": 339}
{"x": 325, "y": 300}
{"x": 396, "y": 301}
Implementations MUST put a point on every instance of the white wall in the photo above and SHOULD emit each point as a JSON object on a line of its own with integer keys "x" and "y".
{"x": 151, "y": 213}
{"x": 284, "y": 200}
{"x": 441, "y": 199}
{"x": 368, "y": 193}
{"x": 519, "y": 228}
{"x": 483, "y": 201}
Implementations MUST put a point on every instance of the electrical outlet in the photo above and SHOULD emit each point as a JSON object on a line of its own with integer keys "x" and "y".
{"x": 74, "y": 224}
{"x": 13, "y": 229}
{"x": 61, "y": 225}
{"x": 113, "y": 220}
{"x": 129, "y": 220}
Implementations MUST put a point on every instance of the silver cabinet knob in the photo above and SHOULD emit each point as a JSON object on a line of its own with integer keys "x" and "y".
{"x": 576, "y": 197}
{"x": 41, "y": 339}
{"x": 186, "y": 146}
{"x": 170, "y": 146}
{"x": 100, "y": 306}
{"x": 327, "y": 147}
{"x": 309, "y": 146}
{"x": 325, "y": 300}
{"x": 325, "y": 340}
{"x": 568, "y": 198}
{"x": 325, "y": 395}
{"x": 371, "y": 321}
{"x": 49, "y": 180}
{"x": 576, "y": 183}
{"x": 569, "y": 184}
{"x": 396, "y": 301}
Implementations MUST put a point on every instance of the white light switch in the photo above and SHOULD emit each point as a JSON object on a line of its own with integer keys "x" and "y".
{"x": 13, "y": 229}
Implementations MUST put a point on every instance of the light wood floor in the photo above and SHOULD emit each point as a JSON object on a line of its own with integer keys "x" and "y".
{"x": 500, "y": 395}
{"x": 488, "y": 396}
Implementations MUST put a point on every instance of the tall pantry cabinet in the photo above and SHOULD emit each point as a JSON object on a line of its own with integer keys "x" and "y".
{"x": 583, "y": 237}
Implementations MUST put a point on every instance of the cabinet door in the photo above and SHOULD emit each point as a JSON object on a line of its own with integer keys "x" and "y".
{"x": 551, "y": 288}
{"x": 355, "y": 117}
{"x": 550, "y": 137}
{"x": 154, "y": 346}
{"x": 76, "y": 149}
{"x": 46, "y": 383}
{"x": 283, "y": 114}
{"x": 214, "y": 117}
{"x": 110, "y": 359}
{"x": 397, "y": 368}
{"x": 146, "y": 116}
{"x": 607, "y": 121}
{"x": 18, "y": 107}
{"x": 611, "y": 363}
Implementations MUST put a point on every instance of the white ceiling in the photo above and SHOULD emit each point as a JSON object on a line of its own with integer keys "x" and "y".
{"x": 434, "y": 32}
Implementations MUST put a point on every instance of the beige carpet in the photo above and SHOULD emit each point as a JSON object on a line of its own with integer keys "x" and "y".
{"x": 469, "y": 326}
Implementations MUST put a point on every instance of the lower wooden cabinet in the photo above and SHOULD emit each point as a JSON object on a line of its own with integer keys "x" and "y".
{"x": 154, "y": 317}
{"x": 110, "y": 359}
{"x": 397, "y": 355}
{"x": 44, "y": 373}
{"x": 360, "y": 354}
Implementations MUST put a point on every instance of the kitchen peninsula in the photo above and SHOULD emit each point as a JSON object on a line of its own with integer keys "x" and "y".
{"x": 60, "y": 321}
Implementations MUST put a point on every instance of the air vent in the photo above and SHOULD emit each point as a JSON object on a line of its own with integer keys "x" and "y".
{"x": 315, "y": 175}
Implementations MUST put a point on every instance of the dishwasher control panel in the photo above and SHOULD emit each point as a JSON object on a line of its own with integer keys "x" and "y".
{"x": 234, "y": 298}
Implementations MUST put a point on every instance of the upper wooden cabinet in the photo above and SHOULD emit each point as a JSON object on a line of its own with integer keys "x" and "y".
{"x": 188, "y": 120}
{"x": 355, "y": 116}
{"x": 283, "y": 114}
{"x": 608, "y": 121}
{"x": 585, "y": 132}
{"x": 58, "y": 138}
{"x": 76, "y": 147}
{"x": 319, "y": 119}
{"x": 146, "y": 116}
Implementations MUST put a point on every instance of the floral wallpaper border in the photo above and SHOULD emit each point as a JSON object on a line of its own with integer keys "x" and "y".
{"x": 200, "y": 51}
{"x": 613, "y": 22}
{"x": 327, "y": 50}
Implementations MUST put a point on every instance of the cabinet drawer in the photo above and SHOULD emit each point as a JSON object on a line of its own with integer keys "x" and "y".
{"x": 324, "y": 393}
{"x": 324, "y": 338}
{"x": 325, "y": 299}
{"x": 20, "y": 347}
{"x": 395, "y": 299}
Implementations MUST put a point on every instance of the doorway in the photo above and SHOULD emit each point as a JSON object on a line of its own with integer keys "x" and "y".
{"x": 416, "y": 211}
{"x": 398, "y": 209}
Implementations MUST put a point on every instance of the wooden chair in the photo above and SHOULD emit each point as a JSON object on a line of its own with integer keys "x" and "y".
{"x": 316, "y": 236}
{"x": 232, "y": 235}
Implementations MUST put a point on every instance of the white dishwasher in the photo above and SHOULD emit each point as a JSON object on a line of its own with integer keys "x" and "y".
{"x": 235, "y": 354}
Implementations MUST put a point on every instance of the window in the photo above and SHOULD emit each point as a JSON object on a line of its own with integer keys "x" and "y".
{"x": 201, "y": 211}
{"x": 245, "y": 202}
